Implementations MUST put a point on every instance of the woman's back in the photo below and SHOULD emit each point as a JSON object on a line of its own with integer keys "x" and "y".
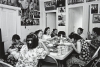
{"x": 85, "y": 52}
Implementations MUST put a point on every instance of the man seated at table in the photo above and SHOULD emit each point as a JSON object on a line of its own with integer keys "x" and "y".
{"x": 80, "y": 32}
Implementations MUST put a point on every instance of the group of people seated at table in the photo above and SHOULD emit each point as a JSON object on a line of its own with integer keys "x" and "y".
{"x": 27, "y": 54}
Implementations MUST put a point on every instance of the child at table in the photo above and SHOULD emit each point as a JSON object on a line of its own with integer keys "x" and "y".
{"x": 13, "y": 51}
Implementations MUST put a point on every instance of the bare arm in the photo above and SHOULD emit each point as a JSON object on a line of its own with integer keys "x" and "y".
{"x": 44, "y": 46}
{"x": 78, "y": 47}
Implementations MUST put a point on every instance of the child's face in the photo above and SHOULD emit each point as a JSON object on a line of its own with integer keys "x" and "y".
{"x": 16, "y": 41}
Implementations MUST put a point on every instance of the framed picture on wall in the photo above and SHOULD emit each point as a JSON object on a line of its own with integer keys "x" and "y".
{"x": 96, "y": 18}
{"x": 94, "y": 8}
{"x": 50, "y": 5}
{"x": 60, "y": 3}
{"x": 61, "y": 9}
{"x": 61, "y": 23}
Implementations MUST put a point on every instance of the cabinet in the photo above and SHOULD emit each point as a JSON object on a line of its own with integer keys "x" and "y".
{"x": 9, "y": 23}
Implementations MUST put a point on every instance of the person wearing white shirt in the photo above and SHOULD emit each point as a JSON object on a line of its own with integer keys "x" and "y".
{"x": 80, "y": 32}
{"x": 47, "y": 33}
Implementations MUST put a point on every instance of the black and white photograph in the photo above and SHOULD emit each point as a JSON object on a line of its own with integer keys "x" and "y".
{"x": 36, "y": 14}
{"x": 26, "y": 22}
{"x": 36, "y": 5}
{"x": 94, "y": 8}
{"x": 62, "y": 17}
{"x": 96, "y": 18}
{"x": 61, "y": 23}
{"x": 61, "y": 3}
{"x": 36, "y": 22}
{"x": 49, "y": 33}
{"x": 50, "y": 5}
{"x": 61, "y": 9}
{"x": 89, "y": 0}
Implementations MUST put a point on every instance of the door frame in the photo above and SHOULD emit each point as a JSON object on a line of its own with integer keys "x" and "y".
{"x": 46, "y": 18}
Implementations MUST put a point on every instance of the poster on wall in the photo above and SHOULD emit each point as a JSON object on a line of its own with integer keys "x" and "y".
{"x": 50, "y": 5}
{"x": 61, "y": 17}
{"x": 36, "y": 5}
{"x": 60, "y": 3}
{"x": 61, "y": 9}
{"x": 61, "y": 20}
{"x": 36, "y": 14}
{"x": 36, "y": 22}
{"x": 96, "y": 18}
{"x": 26, "y": 22}
{"x": 94, "y": 8}
{"x": 61, "y": 23}
{"x": 89, "y": 0}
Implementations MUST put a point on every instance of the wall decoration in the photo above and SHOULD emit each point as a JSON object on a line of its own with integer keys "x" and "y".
{"x": 75, "y": 1}
{"x": 36, "y": 22}
{"x": 94, "y": 8}
{"x": 36, "y": 14}
{"x": 61, "y": 9}
{"x": 61, "y": 17}
{"x": 96, "y": 18}
{"x": 89, "y": 0}
{"x": 36, "y": 5}
{"x": 61, "y": 20}
{"x": 26, "y": 22}
{"x": 50, "y": 5}
{"x": 61, "y": 23}
{"x": 60, "y": 3}
{"x": 29, "y": 10}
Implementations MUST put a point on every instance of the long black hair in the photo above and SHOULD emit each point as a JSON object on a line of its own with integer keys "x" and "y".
{"x": 32, "y": 41}
{"x": 37, "y": 32}
{"x": 45, "y": 31}
{"x": 75, "y": 36}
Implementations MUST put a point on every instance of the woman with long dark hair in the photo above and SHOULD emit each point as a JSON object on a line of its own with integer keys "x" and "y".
{"x": 31, "y": 52}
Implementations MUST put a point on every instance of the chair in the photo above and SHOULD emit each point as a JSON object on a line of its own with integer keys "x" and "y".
{"x": 95, "y": 56}
{"x": 61, "y": 33}
{"x": 49, "y": 61}
{"x": 90, "y": 63}
{"x": 3, "y": 64}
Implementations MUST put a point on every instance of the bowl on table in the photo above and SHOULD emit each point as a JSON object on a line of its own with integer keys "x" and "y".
{"x": 67, "y": 44}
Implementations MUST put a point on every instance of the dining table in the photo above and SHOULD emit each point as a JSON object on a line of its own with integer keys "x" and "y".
{"x": 54, "y": 51}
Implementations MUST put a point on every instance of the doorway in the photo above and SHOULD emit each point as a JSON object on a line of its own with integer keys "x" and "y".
{"x": 51, "y": 20}
{"x": 75, "y": 18}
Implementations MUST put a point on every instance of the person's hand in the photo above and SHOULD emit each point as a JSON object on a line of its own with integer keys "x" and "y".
{"x": 10, "y": 56}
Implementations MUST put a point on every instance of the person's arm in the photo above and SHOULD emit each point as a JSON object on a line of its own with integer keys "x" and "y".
{"x": 45, "y": 48}
{"x": 78, "y": 47}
